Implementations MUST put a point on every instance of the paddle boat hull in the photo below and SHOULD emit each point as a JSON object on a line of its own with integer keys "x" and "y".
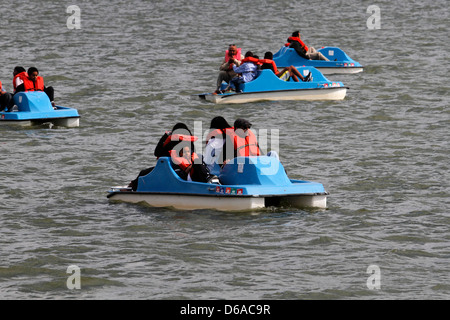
{"x": 340, "y": 62}
{"x": 268, "y": 87}
{"x": 247, "y": 184}
{"x": 34, "y": 108}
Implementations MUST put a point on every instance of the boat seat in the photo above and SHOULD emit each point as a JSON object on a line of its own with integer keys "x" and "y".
{"x": 33, "y": 101}
{"x": 257, "y": 170}
{"x": 334, "y": 54}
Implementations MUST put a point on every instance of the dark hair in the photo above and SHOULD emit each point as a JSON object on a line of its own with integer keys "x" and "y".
{"x": 32, "y": 69}
{"x": 179, "y": 125}
{"x": 268, "y": 55}
{"x": 19, "y": 69}
{"x": 296, "y": 34}
{"x": 249, "y": 54}
{"x": 219, "y": 123}
{"x": 242, "y": 124}
{"x": 181, "y": 128}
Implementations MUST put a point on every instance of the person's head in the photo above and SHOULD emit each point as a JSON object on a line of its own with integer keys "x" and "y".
{"x": 296, "y": 34}
{"x": 232, "y": 50}
{"x": 241, "y": 126}
{"x": 248, "y": 54}
{"x": 219, "y": 123}
{"x": 18, "y": 69}
{"x": 268, "y": 55}
{"x": 33, "y": 73}
{"x": 181, "y": 128}
{"x": 185, "y": 152}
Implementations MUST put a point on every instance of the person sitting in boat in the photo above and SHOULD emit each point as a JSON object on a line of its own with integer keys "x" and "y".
{"x": 268, "y": 63}
{"x": 20, "y": 74}
{"x": 233, "y": 57}
{"x": 247, "y": 72}
{"x": 6, "y": 99}
{"x": 178, "y": 137}
{"x": 240, "y": 142}
{"x": 303, "y": 51}
{"x": 168, "y": 141}
{"x": 190, "y": 165}
{"x": 180, "y": 132}
{"x": 215, "y": 141}
{"x": 34, "y": 82}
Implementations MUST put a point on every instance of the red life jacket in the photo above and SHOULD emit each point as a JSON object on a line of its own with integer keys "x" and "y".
{"x": 261, "y": 62}
{"x": 272, "y": 63}
{"x": 290, "y": 39}
{"x": 182, "y": 162}
{"x": 251, "y": 59}
{"x": 179, "y": 137}
{"x": 247, "y": 146}
{"x": 34, "y": 86}
{"x": 217, "y": 133}
{"x": 22, "y": 75}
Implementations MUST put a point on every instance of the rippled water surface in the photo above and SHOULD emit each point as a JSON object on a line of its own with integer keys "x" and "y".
{"x": 131, "y": 71}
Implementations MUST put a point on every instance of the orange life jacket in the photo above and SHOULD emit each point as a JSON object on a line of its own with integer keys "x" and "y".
{"x": 261, "y": 62}
{"x": 182, "y": 162}
{"x": 217, "y": 133}
{"x": 246, "y": 146}
{"x": 271, "y": 62}
{"x": 290, "y": 39}
{"x": 179, "y": 137}
{"x": 38, "y": 85}
{"x": 22, "y": 75}
{"x": 251, "y": 59}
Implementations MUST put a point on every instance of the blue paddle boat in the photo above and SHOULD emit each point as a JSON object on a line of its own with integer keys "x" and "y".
{"x": 340, "y": 62}
{"x": 267, "y": 86}
{"x": 246, "y": 183}
{"x": 34, "y": 107}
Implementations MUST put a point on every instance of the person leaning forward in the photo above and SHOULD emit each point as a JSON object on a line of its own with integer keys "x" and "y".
{"x": 233, "y": 57}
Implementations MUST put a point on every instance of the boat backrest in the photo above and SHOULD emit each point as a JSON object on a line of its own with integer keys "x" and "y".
{"x": 281, "y": 52}
{"x": 162, "y": 176}
{"x": 316, "y": 74}
{"x": 33, "y": 101}
{"x": 335, "y": 53}
{"x": 262, "y": 170}
{"x": 286, "y": 57}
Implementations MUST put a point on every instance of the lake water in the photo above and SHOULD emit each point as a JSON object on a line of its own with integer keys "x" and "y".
{"x": 131, "y": 70}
